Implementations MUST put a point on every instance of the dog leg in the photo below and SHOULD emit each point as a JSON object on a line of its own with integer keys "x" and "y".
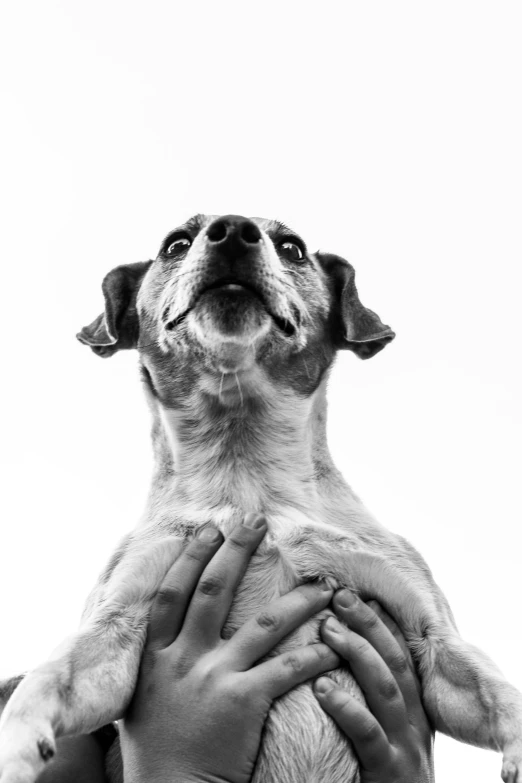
{"x": 7, "y": 688}
{"x": 89, "y": 680}
{"x": 465, "y": 695}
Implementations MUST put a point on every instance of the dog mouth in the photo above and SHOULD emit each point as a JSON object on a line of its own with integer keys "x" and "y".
{"x": 234, "y": 290}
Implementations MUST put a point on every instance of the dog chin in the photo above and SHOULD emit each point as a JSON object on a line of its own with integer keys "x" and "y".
{"x": 229, "y": 350}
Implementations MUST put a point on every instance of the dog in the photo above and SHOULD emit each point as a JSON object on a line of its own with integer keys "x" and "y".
{"x": 237, "y": 326}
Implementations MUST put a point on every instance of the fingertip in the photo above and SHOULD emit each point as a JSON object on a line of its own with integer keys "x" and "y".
{"x": 332, "y": 626}
{"x": 324, "y": 585}
{"x": 323, "y": 685}
{"x": 320, "y": 593}
{"x": 209, "y": 534}
{"x": 323, "y": 630}
{"x": 255, "y": 521}
{"x": 345, "y": 600}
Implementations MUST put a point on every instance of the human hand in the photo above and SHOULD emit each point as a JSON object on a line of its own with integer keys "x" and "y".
{"x": 391, "y": 736}
{"x": 201, "y": 702}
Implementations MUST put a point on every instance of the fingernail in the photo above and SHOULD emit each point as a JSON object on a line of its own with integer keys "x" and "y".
{"x": 346, "y": 598}
{"x": 323, "y": 685}
{"x": 254, "y": 521}
{"x": 333, "y": 625}
{"x": 322, "y": 584}
{"x": 208, "y": 534}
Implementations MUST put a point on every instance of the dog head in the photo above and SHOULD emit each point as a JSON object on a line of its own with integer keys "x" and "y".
{"x": 231, "y": 297}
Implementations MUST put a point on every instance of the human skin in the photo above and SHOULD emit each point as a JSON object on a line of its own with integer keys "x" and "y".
{"x": 200, "y": 704}
{"x": 187, "y": 667}
{"x": 391, "y": 735}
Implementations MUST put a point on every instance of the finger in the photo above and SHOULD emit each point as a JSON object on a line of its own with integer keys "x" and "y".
{"x": 410, "y": 685}
{"x": 171, "y": 600}
{"x": 381, "y": 691}
{"x": 286, "y": 671}
{"x": 213, "y": 596}
{"x": 362, "y": 619}
{"x": 392, "y": 626}
{"x": 260, "y": 634}
{"x": 369, "y": 740}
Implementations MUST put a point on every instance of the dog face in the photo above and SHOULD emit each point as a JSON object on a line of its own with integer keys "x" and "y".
{"x": 231, "y": 298}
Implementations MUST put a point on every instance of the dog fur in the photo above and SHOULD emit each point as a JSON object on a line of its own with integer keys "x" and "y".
{"x": 237, "y": 326}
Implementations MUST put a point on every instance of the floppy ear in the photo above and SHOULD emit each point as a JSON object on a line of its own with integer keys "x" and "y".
{"x": 118, "y": 327}
{"x": 356, "y": 327}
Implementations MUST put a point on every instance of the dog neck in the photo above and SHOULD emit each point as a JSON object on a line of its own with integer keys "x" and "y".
{"x": 262, "y": 454}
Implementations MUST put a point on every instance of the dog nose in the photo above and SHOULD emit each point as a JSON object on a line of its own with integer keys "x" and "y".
{"x": 233, "y": 235}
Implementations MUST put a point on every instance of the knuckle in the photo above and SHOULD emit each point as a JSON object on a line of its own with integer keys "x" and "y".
{"x": 369, "y": 619}
{"x": 399, "y": 663}
{"x": 196, "y": 550}
{"x": 388, "y": 689}
{"x": 360, "y": 647}
{"x": 269, "y": 621}
{"x": 169, "y": 595}
{"x": 293, "y": 662}
{"x": 207, "y": 671}
{"x": 369, "y": 732}
{"x": 211, "y": 585}
{"x": 238, "y": 540}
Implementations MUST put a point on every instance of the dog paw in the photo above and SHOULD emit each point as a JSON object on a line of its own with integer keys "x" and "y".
{"x": 25, "y": 750}
{"x": 511, "y": 768}
{"x": 17, "y": 773}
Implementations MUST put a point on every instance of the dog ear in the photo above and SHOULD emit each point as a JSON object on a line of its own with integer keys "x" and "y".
{"x": 356, "y": 327}
{"x": 118, "y": 327}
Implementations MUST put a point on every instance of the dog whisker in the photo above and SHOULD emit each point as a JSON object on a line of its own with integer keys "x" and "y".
{"x": 306, "y": 368}
{"x": 153, "y": 344}
{"x": 239, "y": 389}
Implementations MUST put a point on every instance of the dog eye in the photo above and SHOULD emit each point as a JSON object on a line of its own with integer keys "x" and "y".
{"x": 292, "y": 251}
{"x": 179, "y": 244}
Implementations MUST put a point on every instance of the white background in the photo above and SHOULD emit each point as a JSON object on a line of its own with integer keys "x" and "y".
{"x": 386, "y": 132}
